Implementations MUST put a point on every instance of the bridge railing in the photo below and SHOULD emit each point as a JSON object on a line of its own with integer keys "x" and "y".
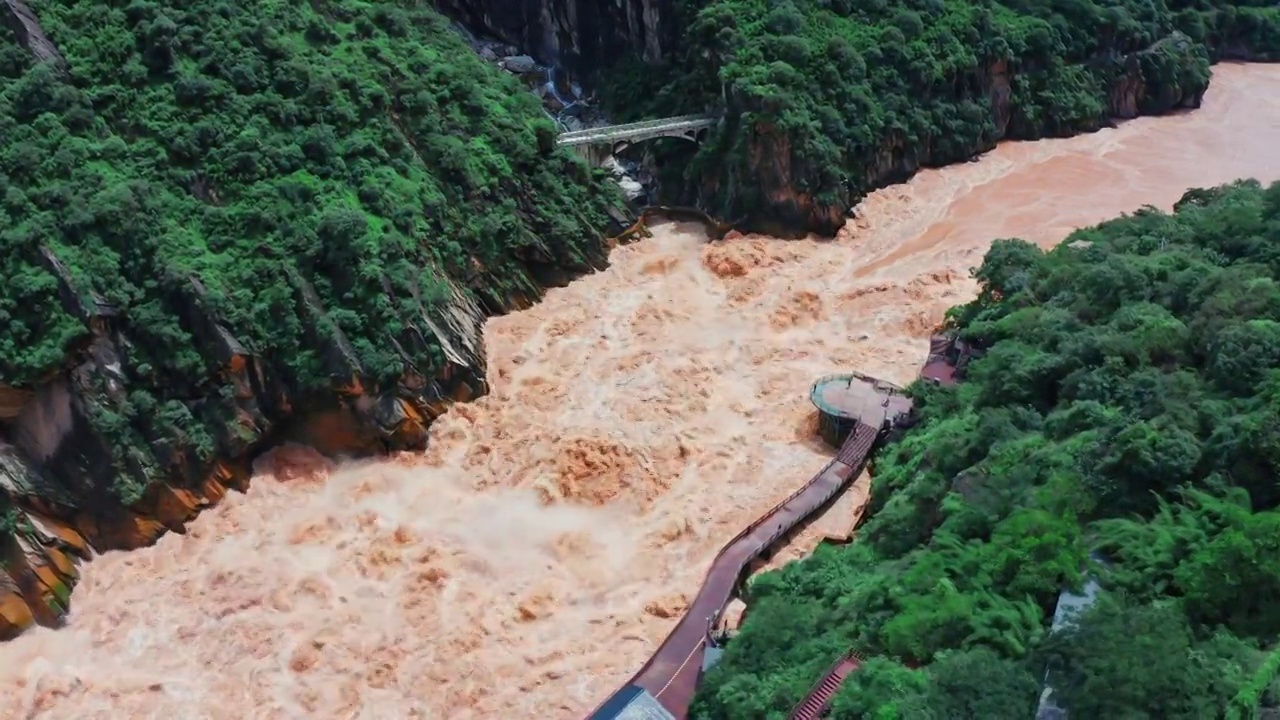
{"x": 645, "y": 127}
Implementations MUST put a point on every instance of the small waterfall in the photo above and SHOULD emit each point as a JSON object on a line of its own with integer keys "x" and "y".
{"x": 550, "y": 86}
{"x": 575, "y": 111}
{"x": 552, "y": 89}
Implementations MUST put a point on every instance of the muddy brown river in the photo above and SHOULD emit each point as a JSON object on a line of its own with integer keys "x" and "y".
{"x": 534, "y": 556}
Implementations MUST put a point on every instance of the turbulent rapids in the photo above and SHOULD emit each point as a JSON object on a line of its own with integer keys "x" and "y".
{"x": 533, "y": 557}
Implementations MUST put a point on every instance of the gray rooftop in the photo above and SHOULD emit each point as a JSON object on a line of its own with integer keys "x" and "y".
{"x": 632, "y": 703}
{"x": 1070, "y": 605}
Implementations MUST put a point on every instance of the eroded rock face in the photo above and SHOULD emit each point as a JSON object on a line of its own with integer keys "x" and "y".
{"x": 106, "y": 452}
{"x": 29, "y": 33}
{"x": 1138, "y": 88}
{"x": 578, "y": 35}
{"x": 61, "y": 471}
{"x": 1135, "y": 93}
{"x": 62, "y": 462}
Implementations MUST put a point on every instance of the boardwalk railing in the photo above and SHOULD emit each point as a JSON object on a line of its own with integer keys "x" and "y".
{"x": 940, "y": 367}
{"x": 638, "y": 130}
{"x": 855, "y": 449}
{"x": 670, "y": 674}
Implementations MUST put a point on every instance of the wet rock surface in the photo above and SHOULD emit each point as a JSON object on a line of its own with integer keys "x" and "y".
{"x": 637, "y": 420}
{"x": 106, "y": 452}
{"x": 566, "y": 103}
{"x": 581, "y": 36}
{"x": 792, "y": 212}
{"x": 60, "y": 470}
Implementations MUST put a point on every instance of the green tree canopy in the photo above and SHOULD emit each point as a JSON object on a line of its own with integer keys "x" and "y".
{"x": 828, "y": 99}
{"x": 1125, "y": 402}
{"x": 320, "y": 181}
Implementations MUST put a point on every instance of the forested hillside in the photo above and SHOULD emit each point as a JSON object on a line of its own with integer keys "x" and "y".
{"x": 828, "y": 99}
{"x": 215, "y": 215}
{"x": 1127, "y": 406}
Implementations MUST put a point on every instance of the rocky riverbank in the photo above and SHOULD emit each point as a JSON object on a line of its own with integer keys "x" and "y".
{"x": 826, "y": 102}
{"x": 196, "y": 279}
{"x": 531, "y": 559}
{"x": 782, "y": 198}
{"x": 564, "y": 101}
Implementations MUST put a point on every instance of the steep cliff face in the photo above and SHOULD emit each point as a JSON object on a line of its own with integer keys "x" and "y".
{"x": 315, "y": 262}
{"x": 825, "y": 102}
{"x": 582, "y": 36}
{"x": 1000, "y": 101}
{"x": 58, "y": 468}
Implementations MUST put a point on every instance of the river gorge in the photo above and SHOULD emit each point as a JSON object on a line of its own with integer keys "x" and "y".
{"x": 531, "y": 559}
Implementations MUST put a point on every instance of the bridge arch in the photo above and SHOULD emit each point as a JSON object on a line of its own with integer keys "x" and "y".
{"x": 596, "y": 144}
{"x": 695, "y": 136}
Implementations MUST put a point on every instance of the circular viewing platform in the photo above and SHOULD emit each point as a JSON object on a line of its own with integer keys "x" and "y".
{"x": 845, "y": 400}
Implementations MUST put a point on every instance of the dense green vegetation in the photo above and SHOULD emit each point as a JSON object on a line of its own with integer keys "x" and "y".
{"x": 1126, "y": 405}
{"x": 263, "y": 149}
{"x": 830, "y": 98}
{"x": 1233, "y": 29}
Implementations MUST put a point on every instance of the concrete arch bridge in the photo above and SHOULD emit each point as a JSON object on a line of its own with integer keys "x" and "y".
{"x": 597, "y": 144}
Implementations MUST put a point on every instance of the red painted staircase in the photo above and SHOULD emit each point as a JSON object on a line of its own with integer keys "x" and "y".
{"x": 818, "y": 699}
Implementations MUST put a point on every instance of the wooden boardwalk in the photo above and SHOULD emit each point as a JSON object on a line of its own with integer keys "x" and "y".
{"x": 940, "y": 368}
{"x": 671, "y": 675}
{"x": 672, "y": 672}
{"x": 837, "y": 523}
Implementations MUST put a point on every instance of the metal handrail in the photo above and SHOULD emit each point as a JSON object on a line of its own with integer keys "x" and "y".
{"x": 860, "y": 442}
{"x": 607, "y": 132}
{"x": 876, "y": 383}
{"x": 831, "y": 670}
{"x": 861, "y": 434}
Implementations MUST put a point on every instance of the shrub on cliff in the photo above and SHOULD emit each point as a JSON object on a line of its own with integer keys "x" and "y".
{"x": 318, "y": 183}
{"x": 1126, "y": 405}
{"x": 829, "y": 99}
{"x": 1233, "y": 29}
